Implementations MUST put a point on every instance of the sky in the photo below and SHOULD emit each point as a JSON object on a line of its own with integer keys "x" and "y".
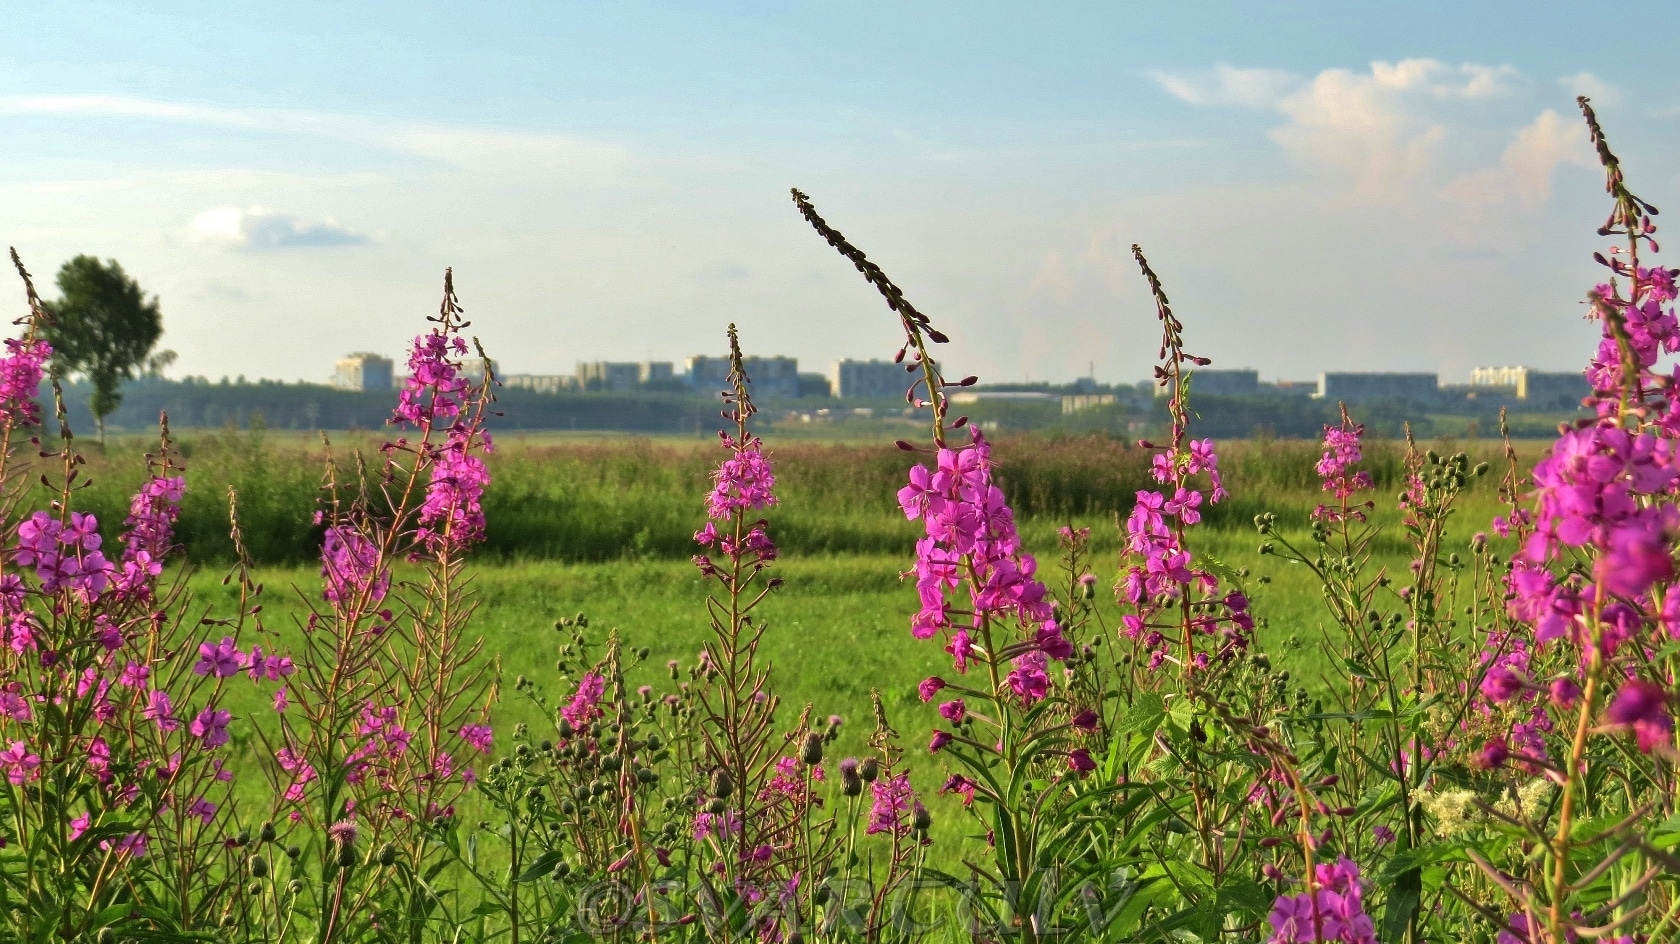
{"x": 1321, "y": 186}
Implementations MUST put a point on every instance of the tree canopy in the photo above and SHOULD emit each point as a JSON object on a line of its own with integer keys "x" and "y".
{"x": 103, "y": 327}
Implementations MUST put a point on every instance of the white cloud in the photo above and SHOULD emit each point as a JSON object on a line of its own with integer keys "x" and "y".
{"x": 1524, "y": 174}
{"x": 1228, "y": 85}
{"x": 1593, "y": 87}
{"x": 122, "y": 106}
{"x": 1372, "y": 126}
{"x": 258, "y": 229}
{"x": 481, "y": 148}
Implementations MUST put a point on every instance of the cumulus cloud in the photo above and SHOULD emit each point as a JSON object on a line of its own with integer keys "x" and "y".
{"x": 258, "y": 229}
{"x": 1524, "y": 174}
{"x": 1228, "y": 85}
{"x": 1372, "y": 126}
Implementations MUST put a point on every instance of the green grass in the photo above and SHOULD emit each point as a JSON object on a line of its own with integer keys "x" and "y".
{"x": 838, "y": 628}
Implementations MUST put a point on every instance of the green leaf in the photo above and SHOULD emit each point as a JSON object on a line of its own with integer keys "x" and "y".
{"x": 1404, "y": 893}
{"x": 544, "y": 865}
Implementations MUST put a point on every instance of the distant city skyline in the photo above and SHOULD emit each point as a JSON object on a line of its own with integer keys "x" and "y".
{"x": 1323, "y": 186}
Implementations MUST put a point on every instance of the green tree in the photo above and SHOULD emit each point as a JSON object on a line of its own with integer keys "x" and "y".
{"x": 103, "y": 328}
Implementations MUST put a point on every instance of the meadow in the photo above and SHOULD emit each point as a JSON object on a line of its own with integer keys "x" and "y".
{"x": 603, "y": 527}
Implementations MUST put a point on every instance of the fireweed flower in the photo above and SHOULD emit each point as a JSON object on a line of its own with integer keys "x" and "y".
{"x": 1335, "y": 911}
{"x": 964, "y": 515}
{"x": 20, "y": 763}
{"x": 350, "y": 562}
{"x": 1336, "y": 469}
{"x": 582, "y": 708}
{"x": 211, "y": 727}
{"x": 21, "y": 369}
{"x": 479, "y": 736}
{"x": 1642, "y": 707}
{"x": 890, "y": 812}
{"x": 218, "y": 659}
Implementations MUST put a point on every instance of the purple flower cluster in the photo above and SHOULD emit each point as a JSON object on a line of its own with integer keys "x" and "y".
{"x": 1336, "y": 468}
{"x": 435, "y": 390}
{"x": 1650, "y": 329}
{"x": 893, "y": 808}
{"x": 969, "y": 534}
{"x": 452, "y": 517}
{"x": 1162, "y": 573}
{"x": 582, "y": 708}
{"x": 150, "y": 534}
{"x": 351, "y": 564}
{"x": 743, "y": 483}
{"x": 1335, "y": 911}
{"x": 65, "y": 555}
{"x": 20, "y": 380}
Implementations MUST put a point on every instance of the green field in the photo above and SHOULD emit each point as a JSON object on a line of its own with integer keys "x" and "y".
{"x": 839, "y": 625}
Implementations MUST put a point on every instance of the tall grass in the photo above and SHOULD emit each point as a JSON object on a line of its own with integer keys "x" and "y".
{"x": 638, "y": 498}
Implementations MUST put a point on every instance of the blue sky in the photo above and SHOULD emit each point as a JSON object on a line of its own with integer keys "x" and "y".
{"x": 1324, "y": 186}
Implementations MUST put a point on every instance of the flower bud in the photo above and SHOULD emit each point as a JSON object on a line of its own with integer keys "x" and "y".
{"x": 266, "y": 834}
{"x": 920, "y": 818}
{"x": 869, "y": 770}
{"x": 387, "y": 855}
{"x": 812, "y": 754}
{"x": 722, "y": 786}
{"x": 259, "y": 867}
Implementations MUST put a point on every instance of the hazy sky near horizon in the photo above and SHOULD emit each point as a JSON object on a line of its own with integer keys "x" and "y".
{"x": 1322, "y": 186}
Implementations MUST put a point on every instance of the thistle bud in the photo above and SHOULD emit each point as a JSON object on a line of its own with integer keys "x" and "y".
{"x": 258, "y": 867}
{"x": 266, "y": 834}
{"x": 812, "y": 754}
{"x": 722, "y": 786}
{"x": 869, "y": 770}
{"x": 387, "y": 855}
{"x": 920, "y": 818}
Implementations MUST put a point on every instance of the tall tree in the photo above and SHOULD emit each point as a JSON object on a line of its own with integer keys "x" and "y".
{"x": 102, "y": 327}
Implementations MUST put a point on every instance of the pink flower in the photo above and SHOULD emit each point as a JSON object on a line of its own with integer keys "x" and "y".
{"x": 15, "y": 707}
{"x": 954, "y": 711}
{"x": 1079, "y": 761}
{"x": 159, "y": 711}
{"x": 890, "y": 811}
{"x": 582, "y": 708}
{"x": 479, "y": 736}
{"x": 1501, "y": 684}
{"x": 940, "y": 739}
{"x": 1028, "y": 678}
{"x": 219, "y": 659}
{"x": 1642, "y": 707}
{"x": 21, "y": 764}
{"x": 930, "y": 687}
{"x": 1492, "y": 755}
{"x": 211, "y": 727}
